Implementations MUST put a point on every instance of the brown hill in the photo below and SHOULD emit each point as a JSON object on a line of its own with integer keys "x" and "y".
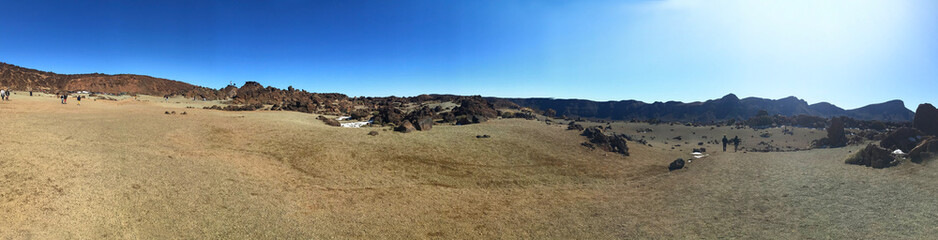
{"x": 26, "y": 79}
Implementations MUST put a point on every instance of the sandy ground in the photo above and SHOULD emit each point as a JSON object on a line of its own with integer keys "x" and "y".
{"x": 123, "y": 169}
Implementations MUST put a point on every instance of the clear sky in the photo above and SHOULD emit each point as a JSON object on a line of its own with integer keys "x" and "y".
{"x": 850, "y": 53}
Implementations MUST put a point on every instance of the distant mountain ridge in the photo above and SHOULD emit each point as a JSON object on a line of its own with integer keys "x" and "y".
{"x": 725, "y": 108}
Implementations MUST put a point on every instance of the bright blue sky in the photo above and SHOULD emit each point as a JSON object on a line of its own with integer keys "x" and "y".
{"x": 849, "y": 53}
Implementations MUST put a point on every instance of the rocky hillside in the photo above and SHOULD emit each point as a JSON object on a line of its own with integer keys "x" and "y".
{"x": 728, "y": 107}
{"x": 20, "y": 78}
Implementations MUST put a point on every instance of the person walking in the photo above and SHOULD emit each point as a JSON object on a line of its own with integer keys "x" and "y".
{"x": 3, "y": 94}
{"x": 78, "y": 98}
{"x": 735, "y": 143}
{"x": 725, "y": 141}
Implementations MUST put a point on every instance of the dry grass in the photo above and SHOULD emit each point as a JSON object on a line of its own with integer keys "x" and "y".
{"x": 123, "y": 169}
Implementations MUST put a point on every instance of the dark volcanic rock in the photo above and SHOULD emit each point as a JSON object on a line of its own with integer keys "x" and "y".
{"x": 575, "y": 126}
{"x": 373, "y": 133}
{"x": 902, "y": 138}
{"x": 927, "y": 149}
{"x": 616, "y": 143}
{"x": 676, "y": 164}
{"x": 405, "y": 127}
{"x": 926, "y": 119}
{"x": 476, "y": 109}
{"x": 872, "y": 156}
{"x": 835, "y": 133}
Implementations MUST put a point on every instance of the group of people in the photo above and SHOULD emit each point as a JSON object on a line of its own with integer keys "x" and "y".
{"x": 64, "y": 98}
{"x": 735, "y": 142}
{"x": 5, "y": 94}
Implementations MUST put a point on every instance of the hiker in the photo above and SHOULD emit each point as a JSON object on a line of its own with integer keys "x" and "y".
{"x": 735, "y": 143}
{"x": 3, "y": 94}
{"x": 725, "y": 141}
{"x": 65, "y": 98}
{"x": 78, "y": 98}
{"x": 30, "y": 93}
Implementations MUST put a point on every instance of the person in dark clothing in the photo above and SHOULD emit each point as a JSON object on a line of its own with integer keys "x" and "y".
{"x": 735, "y": 143}
{"x": 78, "y": 98}
{"x": 725, "y": 141}
{"x": 30, "y": 93}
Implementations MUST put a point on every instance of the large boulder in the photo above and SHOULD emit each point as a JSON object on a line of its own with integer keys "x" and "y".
{"x": 405, "y": 127}
{"x": 903, "y": 138}
{"x": 927, "y": 149}
{"x": 676, "y": 164}
{"x": 835, "y": 133}
{"x": 926, "y": 119}
{"x": 872, "y": 156}
{"x": 424, "y": 124}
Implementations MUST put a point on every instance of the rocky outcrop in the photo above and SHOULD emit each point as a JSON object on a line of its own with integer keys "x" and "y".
{"x": 615, "y": 143}
{"x": 903, "y": 138}
{"x": 872, "y": 156}
{"x": 927, "y": 149}
{"x": 926, "y": 119}
{"x": 475, "y": 110}
{"x": 836, "y": 136}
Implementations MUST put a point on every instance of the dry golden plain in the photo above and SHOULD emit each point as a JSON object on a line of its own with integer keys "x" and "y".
{"x": 124, "y": 169}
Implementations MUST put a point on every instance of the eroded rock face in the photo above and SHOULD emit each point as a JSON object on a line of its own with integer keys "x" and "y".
{"x": 872, "y": 156}
{"x": 927, "y": 149}
{"x": 903, "y": 138}
{"x": 926, "y": 119}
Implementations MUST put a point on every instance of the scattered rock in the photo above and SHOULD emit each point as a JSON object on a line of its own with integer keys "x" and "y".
{"x": 872, "y": 156}
{"x": 483, "y": 136}
{"x": 575, "y": 126}
{"x": 926, "y": 119}
{"x": 700, "y": 150}
{"x": 373, "y": 133}
{"x": 167, "y": 112}
{"x": 676, "y": 164}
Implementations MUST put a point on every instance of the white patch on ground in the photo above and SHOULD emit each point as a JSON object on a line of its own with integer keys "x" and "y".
{"x": 355, "y": 124}
{"x": 343, "y": 118}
